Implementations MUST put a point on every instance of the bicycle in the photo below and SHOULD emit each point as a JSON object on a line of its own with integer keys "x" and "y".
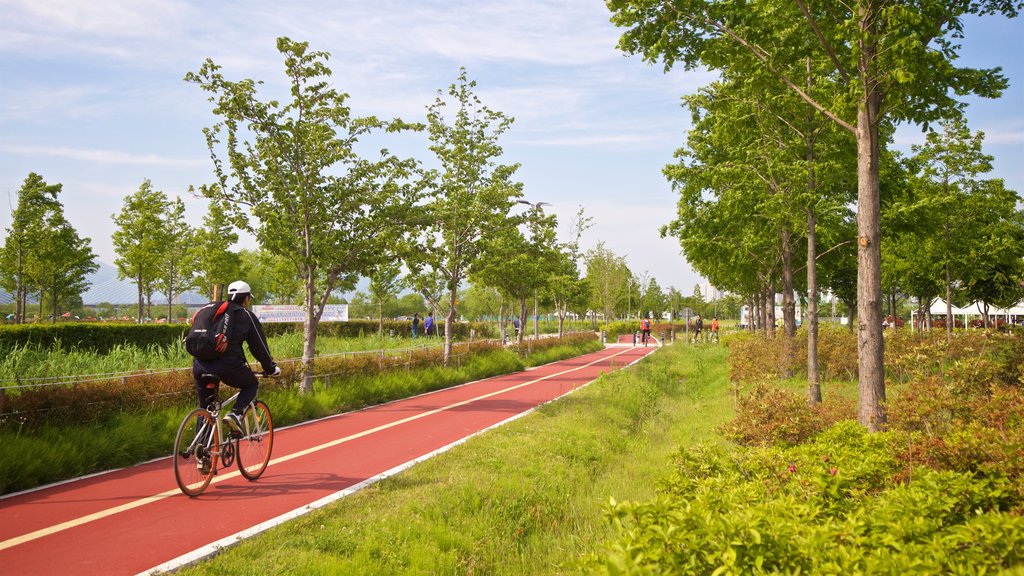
{"x": 200, "y": 448}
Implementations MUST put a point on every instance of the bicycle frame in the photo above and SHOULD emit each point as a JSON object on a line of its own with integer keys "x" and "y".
{"x": 203, "y": 435}
{"x": 200, "y": 443}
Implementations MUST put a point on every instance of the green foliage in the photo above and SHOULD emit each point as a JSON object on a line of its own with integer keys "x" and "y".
{"x": 769, "y": 416}
{"x": 357, "y": 328}
{"x": 140, "y": 238}
{"x": 89, "y": 335}
{"x": 521, "y": 499}
{"x": 69, "y": 430}
{"x": 291, "y": 174}
{"x": 829, "y": 506}
{"x": 470, "y": 196}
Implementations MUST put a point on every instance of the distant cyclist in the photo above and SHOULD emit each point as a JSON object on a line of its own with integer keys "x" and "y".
{"x": 233, "y": 367}
{"x": 645, "y": 329}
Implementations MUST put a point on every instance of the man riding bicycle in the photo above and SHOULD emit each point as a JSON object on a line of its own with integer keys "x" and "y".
{"x": 232, "y": 366}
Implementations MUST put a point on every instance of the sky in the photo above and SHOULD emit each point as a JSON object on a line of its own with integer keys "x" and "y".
{"x": 92, "y": 97}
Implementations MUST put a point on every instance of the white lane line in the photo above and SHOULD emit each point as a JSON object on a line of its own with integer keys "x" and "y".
{"x": 228, "y": 541}
{"x": 17, "y": 540}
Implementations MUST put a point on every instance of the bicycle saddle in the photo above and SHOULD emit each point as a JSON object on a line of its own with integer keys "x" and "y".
{"x": 210, "y": 380}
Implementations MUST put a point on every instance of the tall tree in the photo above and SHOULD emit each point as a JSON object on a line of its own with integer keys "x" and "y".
{"x": 995, "y": 274}
{"x": 385, "y": 282}
{"x": 69, "y": 260}
{"x": 20, "y": 252}
{"x": 177, "y": 264}
{"x": 606, "y": 275}
{"x": 471, "y": 193}
{"x": 293, "y": 167}
{"x": 897, "y": 59}
{"x": 951, "y": 197}
{"x": 567, "y": 290}
{"x": 520, "y": 262}
{"x": 215, "y": 262}
{"x": 139, "y": 240}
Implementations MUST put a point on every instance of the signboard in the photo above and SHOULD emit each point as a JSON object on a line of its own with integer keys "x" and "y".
{"x": 288, "y": 313}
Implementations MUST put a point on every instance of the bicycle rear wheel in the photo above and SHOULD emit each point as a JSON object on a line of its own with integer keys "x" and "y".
{"x": 257, "y": 441}
{"x": 195, "y": 452}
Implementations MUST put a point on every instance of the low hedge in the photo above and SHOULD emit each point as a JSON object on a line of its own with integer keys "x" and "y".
{"x": 90, "y": 335}
{"x": 103, "y": 337}
{"x": 358, "y": 328}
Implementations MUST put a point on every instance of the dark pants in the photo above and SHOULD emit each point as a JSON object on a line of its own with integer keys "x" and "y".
{"x": 236, "y": 375}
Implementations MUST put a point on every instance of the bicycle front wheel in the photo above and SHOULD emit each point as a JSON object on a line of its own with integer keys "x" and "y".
{"x": 195, "y": 452}
{"x": 257, "y": 440}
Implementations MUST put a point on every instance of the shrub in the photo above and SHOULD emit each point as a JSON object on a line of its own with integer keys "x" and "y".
{"x": 359, "y": 328}
{"x": 826, "y": 507}
{"x": 90, "y": 335}
{"x": 769, "y": 416}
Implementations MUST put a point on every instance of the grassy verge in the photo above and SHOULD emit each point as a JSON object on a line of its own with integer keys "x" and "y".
{"x": 50, "y": 453}
{"x": 34, "y": 361}
{"x": 526, "y": 498}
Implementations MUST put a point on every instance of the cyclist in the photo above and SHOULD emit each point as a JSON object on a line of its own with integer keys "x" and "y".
{"x": 645, "y": 329}
{"x": 233, "y": 367}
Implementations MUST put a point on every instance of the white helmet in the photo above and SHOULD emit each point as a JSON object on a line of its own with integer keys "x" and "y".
{"x": 238, "y": 287}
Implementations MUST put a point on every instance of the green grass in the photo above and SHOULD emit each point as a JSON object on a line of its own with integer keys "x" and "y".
{"x": 31, "y": 361}
{"x": 526, "y": 498}
{"x": 49, "y": 453}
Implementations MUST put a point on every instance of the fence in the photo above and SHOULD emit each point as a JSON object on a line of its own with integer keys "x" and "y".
{"x": 81, "y": 399}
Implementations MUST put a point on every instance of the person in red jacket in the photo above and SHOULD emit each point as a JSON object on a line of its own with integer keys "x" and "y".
{"x": 645, "y": 330}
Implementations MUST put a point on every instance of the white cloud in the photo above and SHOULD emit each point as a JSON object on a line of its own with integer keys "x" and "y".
{"x": 107, "y": 18}
{"x": 1010, "y": 131}
{"x": 102, "y": 156}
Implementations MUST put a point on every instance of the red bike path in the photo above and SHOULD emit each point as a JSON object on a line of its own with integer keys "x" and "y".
{"x": 135, "y": 520}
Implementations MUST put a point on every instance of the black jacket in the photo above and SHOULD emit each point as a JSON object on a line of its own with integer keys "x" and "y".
{"x": 243, "y": 327}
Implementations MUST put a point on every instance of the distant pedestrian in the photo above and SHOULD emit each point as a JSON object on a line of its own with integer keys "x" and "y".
{"x": 415, "y": 324}
{"x": 698, "y": 325}
{"x": 645, "y": 330}
{"x": 515, "y": 324}
{"x": 714, "y": 328}
{"x": 428, "y": 325}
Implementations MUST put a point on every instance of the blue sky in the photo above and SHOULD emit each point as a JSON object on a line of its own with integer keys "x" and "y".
{"x": 91, "y": 96}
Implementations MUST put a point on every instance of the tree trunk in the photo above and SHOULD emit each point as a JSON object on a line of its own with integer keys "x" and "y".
{"x": 813, "y": 375}
{"x": 788, "y": 306}
{"x": 536, "y": 318}
{"x": 142, "y": 303}
{"x": 449, "y": 324}
{"x": 522, "y": 320}
{"x": 949, "y": 304}
{"x": 501, "y": 318}
{"x": 870, "y": 345}
{"x": 308, "y": 335}
{"x": 170, "y": 306}
{"x": 769, "y": 311}
{"x": 20, "y": 308}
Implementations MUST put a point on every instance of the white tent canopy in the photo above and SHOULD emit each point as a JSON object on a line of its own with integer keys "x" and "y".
{"x": 938, "y": 308}
{"x": 976, "y": 309}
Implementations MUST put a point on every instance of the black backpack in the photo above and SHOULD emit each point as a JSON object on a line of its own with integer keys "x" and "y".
{"x": 207, "y": 339}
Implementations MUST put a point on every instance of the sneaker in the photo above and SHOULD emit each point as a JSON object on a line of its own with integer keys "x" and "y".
{"x": 234, "y": 422}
